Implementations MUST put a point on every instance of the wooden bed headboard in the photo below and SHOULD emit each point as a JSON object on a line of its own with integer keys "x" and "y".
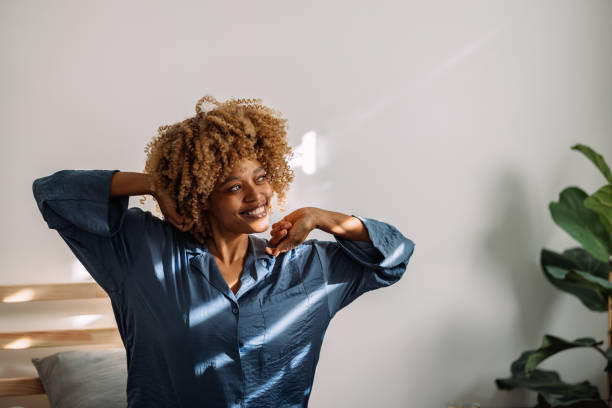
{"x": 22, "y": 386}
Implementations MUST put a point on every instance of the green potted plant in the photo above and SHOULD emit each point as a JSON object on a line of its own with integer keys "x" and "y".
{"x": 585, "y": 272}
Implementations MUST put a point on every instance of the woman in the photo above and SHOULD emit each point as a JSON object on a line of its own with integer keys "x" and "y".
{"x": 211, "y": 315}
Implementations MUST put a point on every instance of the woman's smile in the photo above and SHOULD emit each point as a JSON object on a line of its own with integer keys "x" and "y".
{"x": 257, "y": 213}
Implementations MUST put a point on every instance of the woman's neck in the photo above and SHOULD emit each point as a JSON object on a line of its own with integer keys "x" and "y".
{"x": 228, "y": 249}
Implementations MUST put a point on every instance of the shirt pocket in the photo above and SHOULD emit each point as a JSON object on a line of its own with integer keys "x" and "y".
{"x": 285, "y": 319}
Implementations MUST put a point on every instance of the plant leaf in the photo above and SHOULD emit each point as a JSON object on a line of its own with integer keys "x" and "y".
{"x": 553, "y": 390}
{"x": 587, "y": 262}
{"x": 601, "y": 203}
{"x": 548, "y": 384}
{"x": 551, "y": 345}
{"x": 580, "y": 274}
{"x": 598, "y": 403}
{"x": 581, "y": 223}
{"x": 596, "y": 158}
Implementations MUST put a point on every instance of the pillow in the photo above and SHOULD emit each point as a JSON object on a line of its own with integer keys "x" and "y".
{"x": 84, "y": 378}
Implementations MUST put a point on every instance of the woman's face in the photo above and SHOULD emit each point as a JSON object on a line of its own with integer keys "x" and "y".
{"x": 240, "y": 201}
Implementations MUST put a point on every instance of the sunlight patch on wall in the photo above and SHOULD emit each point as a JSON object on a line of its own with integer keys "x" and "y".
{"x": 305, "y": 155}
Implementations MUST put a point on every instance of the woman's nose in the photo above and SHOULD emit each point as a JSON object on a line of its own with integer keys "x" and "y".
{"x": 255, "y": 193}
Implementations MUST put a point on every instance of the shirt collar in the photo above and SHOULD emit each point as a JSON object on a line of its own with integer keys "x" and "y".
{"x": 256, "y": 252}
{"x": 257, "y": 248}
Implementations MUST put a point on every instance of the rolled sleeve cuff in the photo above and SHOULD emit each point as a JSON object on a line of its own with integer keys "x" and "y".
{"x": 389, "y": 248}
{"x": 80, "y": 198}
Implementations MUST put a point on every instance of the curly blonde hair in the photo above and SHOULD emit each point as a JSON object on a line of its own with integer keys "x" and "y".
{"x": 187, "y": 159}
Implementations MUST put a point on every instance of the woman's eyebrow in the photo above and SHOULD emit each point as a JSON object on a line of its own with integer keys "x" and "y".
{"x": 238, "y": 178}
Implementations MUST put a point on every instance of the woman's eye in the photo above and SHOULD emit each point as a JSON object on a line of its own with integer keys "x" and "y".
{"x": 236, "y": 187}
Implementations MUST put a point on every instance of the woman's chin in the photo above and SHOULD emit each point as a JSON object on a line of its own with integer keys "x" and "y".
{"x": 261, "y": 224}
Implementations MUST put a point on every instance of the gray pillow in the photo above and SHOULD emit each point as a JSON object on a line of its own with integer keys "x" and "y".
{"x": 84, "y": 378}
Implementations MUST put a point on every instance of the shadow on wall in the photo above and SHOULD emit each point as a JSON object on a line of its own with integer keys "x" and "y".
{"x": 511, "y": 245}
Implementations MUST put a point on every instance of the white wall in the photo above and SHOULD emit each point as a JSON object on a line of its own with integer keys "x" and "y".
{"x": 451, "y": 120}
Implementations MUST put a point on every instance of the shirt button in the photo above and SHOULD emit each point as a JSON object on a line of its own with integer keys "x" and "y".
{"x": 234, "y": 310}
{"x": 237, "y": 401}
{"x": 241, "y": 344}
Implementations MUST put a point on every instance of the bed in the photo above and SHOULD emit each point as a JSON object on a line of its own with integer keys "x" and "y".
{"x": 87, "y": 374}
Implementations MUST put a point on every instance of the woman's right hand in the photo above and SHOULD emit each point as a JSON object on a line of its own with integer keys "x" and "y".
{"x": 167, "y": 205}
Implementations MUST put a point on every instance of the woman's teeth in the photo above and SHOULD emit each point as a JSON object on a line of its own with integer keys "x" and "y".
{"x": 258, "y": 212}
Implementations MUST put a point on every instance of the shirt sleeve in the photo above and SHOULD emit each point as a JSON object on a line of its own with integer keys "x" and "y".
{"x": 99, "y": 229}
{"x": 351, "y": 268}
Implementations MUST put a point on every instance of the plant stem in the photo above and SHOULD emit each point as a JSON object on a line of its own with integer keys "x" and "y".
{"x": 603, "y": 353}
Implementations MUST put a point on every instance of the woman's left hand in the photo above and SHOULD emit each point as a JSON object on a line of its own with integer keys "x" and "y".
{"x": 292, "y": 230}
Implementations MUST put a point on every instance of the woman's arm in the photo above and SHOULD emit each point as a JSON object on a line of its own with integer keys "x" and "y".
{"x": 340, "y": 225}
{"x": 100, "y": 230}
{"x": 294, "y": 228}
{"x": 125, "y": 183}
{"x": 368, "y": 254}
{"x": 351, "y": 268}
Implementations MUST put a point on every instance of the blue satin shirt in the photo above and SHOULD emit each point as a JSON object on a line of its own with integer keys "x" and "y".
{"x": 190, "y": 342}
